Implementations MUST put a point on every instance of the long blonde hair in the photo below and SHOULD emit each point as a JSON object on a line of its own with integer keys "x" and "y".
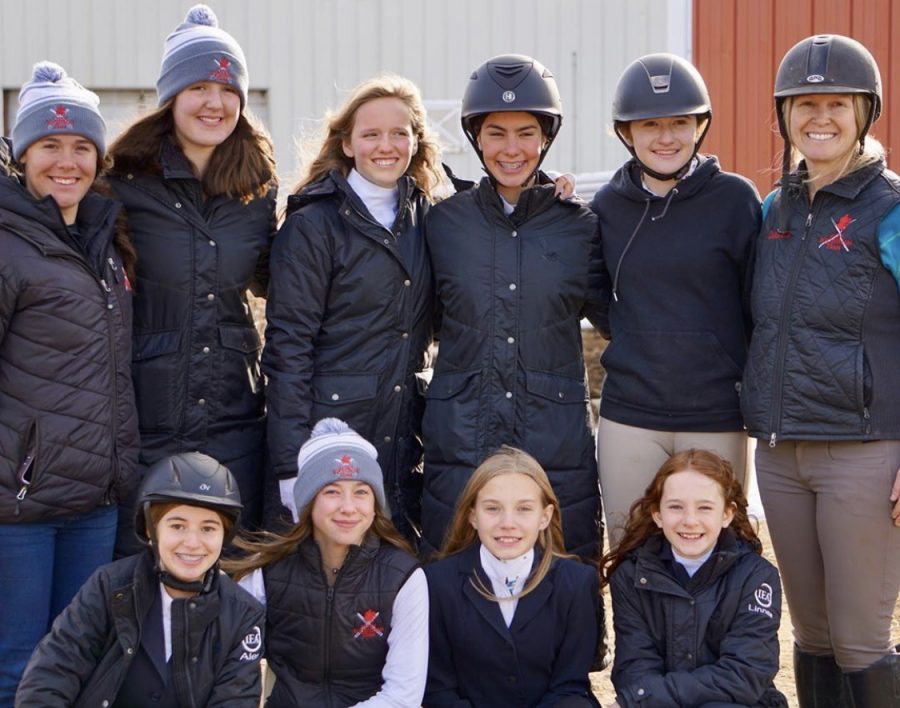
{"x": 425, "y": 166}
{"x": 873, "y": 151}
{"x": 461, "y": 534}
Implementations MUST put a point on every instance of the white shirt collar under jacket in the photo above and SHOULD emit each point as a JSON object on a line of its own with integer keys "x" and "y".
{"x": 507, "y": 579}
{"x": 380, "y": 201}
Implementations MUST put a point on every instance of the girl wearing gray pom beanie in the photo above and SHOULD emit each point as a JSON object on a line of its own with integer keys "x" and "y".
{"x": 346, "y": 603}
{"x": 68, "y": 429}
{"x": 197, "y": 178}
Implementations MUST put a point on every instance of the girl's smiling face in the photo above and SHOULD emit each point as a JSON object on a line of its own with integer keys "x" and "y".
{"x": 189, "y": 540}
{"x": 508, "y": 515}
{"x": 692, "y": 513}
{"x": 382, "y": 142}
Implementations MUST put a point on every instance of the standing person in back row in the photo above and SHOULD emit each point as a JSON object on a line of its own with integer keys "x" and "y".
{"x": 512, "y": 267}
{"x": 197, "y": 178}
{"x": 68, "y": 427}
{"x": 822, "y": 381}
{"x": 677, "y": 237}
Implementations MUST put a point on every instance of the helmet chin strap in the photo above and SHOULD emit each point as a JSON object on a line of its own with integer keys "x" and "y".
{"x": 170, "y": 581}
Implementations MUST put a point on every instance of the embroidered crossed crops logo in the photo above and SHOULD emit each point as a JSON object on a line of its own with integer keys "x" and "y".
{"x": 369, "y": 627}
{"x": 223, "y": 71}
{"x": 60, "y": 119}
{"x": 345, "y": 467}
{"x": 837, "y": 241}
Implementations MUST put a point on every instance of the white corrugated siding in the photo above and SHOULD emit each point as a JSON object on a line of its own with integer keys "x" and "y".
{"x": 303, "y": 55}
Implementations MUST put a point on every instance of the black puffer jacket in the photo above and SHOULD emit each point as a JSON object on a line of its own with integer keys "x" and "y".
{"x": 196, "y": 350}
{"x": 511, "y": 293}
{"x": 348, "y": 326}
{"x": 316, "y": 646}
{"x": 68, "y": 426}
{"x": 826, "y": 313}
{"x": 83, "y": 661}
{"x": 713, "y": 639}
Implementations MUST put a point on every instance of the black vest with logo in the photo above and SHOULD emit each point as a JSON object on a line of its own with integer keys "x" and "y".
{"x": 826, "y": 312}
{"x": 328, "y": 645}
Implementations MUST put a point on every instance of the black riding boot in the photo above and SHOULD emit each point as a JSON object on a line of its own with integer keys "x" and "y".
{"x": 877, "y": 686}
{"x": 820, "y": 682}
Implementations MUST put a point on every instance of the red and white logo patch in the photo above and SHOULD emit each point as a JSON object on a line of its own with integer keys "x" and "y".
{"x": 369, "y": 627}
{"x": 223, "y": 71}
{"x": 346, "y": 467}
{"x": 60, "y": 119}
{"x": 837, "y": 241}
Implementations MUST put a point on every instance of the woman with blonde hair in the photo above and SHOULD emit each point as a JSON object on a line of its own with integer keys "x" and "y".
{"x": 820, "y": 386}
{"x": 349, "y": 314}
{"x": 197, "y": 179}
{"x": 513, "y": 619}
{"x": 346, "y": 603}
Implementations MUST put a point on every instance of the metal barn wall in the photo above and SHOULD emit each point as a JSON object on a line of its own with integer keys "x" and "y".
{"x": 738, "y": 45}
{"x": 303, "y": 55}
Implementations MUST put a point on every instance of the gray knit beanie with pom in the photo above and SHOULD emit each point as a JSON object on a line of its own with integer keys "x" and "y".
{"x": 53, "y": 103}
{"x": 198, "y": 50}
{"x": 334, "y": 453}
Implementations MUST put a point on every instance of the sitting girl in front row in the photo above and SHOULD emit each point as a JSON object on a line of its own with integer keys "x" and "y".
{"x": 696, "y": 608}
{"x": 513, "y": 621}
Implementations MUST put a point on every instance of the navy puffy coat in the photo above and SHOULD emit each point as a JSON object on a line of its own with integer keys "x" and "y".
{"x": 349, "y": 320}
{"x": 511, "y": 293}
{"x": 196, "y": 350}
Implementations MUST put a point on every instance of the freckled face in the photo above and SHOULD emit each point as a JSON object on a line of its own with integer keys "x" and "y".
{"x": 692, "y": 513}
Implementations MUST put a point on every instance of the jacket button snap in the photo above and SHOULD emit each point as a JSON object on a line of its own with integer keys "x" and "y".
{"x": 206, "y": 350}
{"x": 105, "y": 704}
{"x": 335, "y": 397}
{"x": 690, "y": 656}
{"x": 387, "y": 438}
{"x": 193, "y": 659}
{"x": 129, "y": 651}
{"x": 178, "y": 205}
{"x": 398, "y": 388}
{"x": 640, "y": 691}
{"x": 407, "y": 283}
{"x": 130, "y": 176}
{"x": 515, "y": 233}
{"x": 193, "y": 605}
{"x": 561, "y": 394}
{"x": 346, "y": 212}
{"x": 512, "y": 286}
{"x": 201, "y": 402}
{"x": 643, "y": 581}
{"x": 511, "y": 340}
{"x": 109, "y": 306}
{"x": 387, "y": 241}
{"x": 212, "y": 243}
{"x": 405, "y": 335}
{"x": 509, "y": 394}
{"x": 210, "y": 297}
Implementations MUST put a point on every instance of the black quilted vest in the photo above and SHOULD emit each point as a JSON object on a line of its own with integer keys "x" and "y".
{"x": 823, "y": 355}
{"x": 327, "y": 646}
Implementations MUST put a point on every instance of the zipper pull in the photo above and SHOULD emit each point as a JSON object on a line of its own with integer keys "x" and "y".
{"x": 22, "y": 492}
{"x": 105, "y": 286}
{"x": 772, "y": 439}
{"x": 809, "y": 220}
{"x": 115, "y": 271}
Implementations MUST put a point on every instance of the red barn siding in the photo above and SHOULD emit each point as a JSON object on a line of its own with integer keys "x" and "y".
{"x": 737, "y": 46}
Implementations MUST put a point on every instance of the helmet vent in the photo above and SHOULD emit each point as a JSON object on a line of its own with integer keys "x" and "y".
{"x": 510, "y": 75}
{"x": 660, "y": 83}
{"x": 817, "y": 64}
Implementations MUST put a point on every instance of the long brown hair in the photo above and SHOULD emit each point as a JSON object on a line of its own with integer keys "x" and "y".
{"x": 425, "y": 166}
{"x": 461, "y": 534}
{"x": 241, "y": 167}
{"x": 641, "y": 526}
{"x": 262, "y": 548}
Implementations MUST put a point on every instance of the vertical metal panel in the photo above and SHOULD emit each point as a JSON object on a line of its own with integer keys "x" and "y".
{"x": 305, "y": 55}
{"x": 738, "y": 45}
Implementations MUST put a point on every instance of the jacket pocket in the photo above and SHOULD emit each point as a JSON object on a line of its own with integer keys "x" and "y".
{"x": 557, "y": 420}
{"x": 450, "y": 425}
{"x": 27, "y": 472}
{"x": 350, "y": 397}
{"x": 240, "y": 380}
{"x": 156, "y": 371}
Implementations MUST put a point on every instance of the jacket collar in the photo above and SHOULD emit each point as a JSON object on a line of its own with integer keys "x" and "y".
{"x": 173, "y": 162}
{"x": 528, "y": 607}
{"x": 849, "y": 186}
{"x": 627, "y": 180}
{"x": 334, "y": 184}
{"x": 532, "y": 201}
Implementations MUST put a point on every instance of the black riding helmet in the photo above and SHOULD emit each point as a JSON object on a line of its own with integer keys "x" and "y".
{"x": 511, "y": 83}
{"x": 193, "y": 479}
{"x": 826, "y": 63}
{"x": 657, "y": 86}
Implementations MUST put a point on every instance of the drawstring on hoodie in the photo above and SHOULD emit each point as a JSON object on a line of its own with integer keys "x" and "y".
{"x": 672, "y": 193}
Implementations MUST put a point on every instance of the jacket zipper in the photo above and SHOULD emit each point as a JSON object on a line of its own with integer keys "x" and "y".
{"x": 777, "y": 382}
